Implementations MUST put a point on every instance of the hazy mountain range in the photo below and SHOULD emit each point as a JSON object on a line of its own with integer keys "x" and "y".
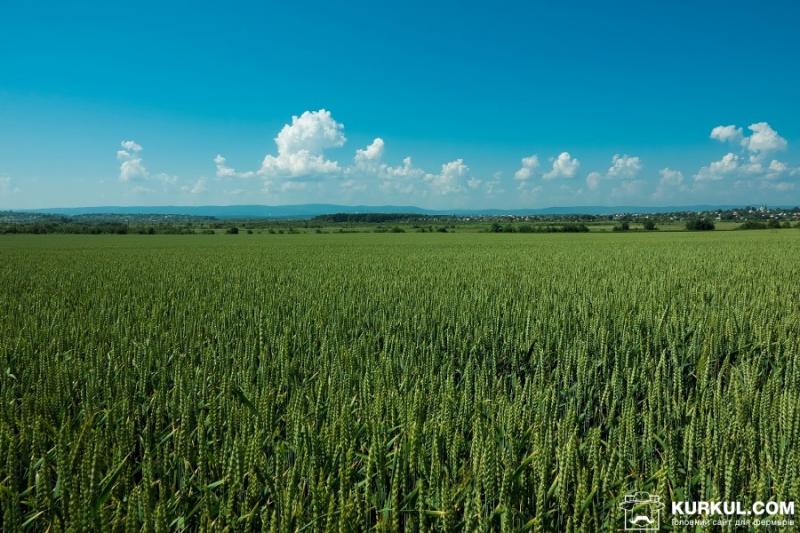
{"x": 311, "y": 210}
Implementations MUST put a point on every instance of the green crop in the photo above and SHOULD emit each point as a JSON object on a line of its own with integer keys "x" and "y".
{"x": 393, "y": 381}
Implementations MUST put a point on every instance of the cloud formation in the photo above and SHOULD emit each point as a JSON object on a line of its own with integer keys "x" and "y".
{"x": 529, "y": 166}
{"x": 224, "y": 171}
{"x": 750, "y": 164}
{"x": 131, "y": 167}
{"x": 669, "y": 182}
{"x": 370, "y": 155}
{"x": 717, "y": 170}
{"x": 301, "y": 145}
{"x": 762, "y": 139}
{"x": 303, "y": 161}
{"x": 449, "y": 178}
{"x": 564, "y": 166}
{"x": 727, "y": 134}
{"x": 198, "y": 187}
{"x": 624, "y": 166}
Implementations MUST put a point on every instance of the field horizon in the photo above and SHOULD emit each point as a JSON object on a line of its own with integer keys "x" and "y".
{"x": 311, "y": 210}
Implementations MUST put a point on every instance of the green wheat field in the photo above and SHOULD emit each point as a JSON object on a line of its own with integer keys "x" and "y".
{"x": 418, "y": 382}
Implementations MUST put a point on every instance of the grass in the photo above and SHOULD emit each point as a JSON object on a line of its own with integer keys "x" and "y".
{"x": 393, "y": 381}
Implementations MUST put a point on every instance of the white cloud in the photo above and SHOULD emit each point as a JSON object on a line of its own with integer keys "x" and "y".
{"x": 301, "y": 145}
{"x": 727, "y": 134}
{"x": 564, "y": 166}
{"x": 778, "y": 166}
{"x": 131, "y": 146}
{"x": 671, "y": 178}
{"x": 670, "y": 182}
{"x": 406, "y": 170}
{"x": 402, "y": 179}
{"x": 624, "y": 166}
{"x": 529, "y": 166}
{"x": 448, "y": 180}
{"x": 131, "y": 167}
{"x": 717, "y": 170}
{"x": 370, "y": 155}
{"x": 764, "y": 139}
{"x": 198, "y": 187}
{"x": 751, "y": 162}
{"x": 593, "y": 180}
{"x": 474, "y": 183}
{"x": 224, "y": 171}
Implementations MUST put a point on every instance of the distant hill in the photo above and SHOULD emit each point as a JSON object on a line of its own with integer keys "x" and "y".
{"x": 311, "y": 210}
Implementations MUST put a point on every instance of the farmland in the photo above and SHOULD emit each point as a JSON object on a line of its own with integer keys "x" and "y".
{"x": 393, "y": 381}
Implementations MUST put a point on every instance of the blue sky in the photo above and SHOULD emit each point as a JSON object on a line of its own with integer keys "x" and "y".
{"x": 437, "y": 104}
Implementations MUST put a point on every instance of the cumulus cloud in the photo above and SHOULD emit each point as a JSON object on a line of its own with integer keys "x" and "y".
{"x": 762, "y": 139}
{"x": 224, "y": 171}
{"x": 529, "y": 166}
{"x": 448, "y": 180}
{"x": 670, "y": 181}
{"x": 301, "y": 145}
{"x": 494, "y": 185}
{"x": 131, "y": 167}
{"x": 624, "y": 166}
{"x": 131, "y": 146}
{"x": 670, "y": 177}
{"x": 718, "y": 170}
{"x": 749, "y": 166}
{"x": 474, "y": 183}
{"x": 727, "y": 134}
{"x": 371, "y": 155}
{"x": 403, "y": 178}
{"x": 593, "y": 180}
{"x": 564, "y": 166}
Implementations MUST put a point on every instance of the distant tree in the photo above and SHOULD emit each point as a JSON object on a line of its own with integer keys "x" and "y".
{"x": 649, "y": 225}
{"x": 773, "y": 224}
{"x": 496, "y": 227}
{"x": 752, "y": 224}
{"x": 623, "y": 226}
{"x": 699, "y": 224}
{"x": 575, "y": 228}
{"x": 233, "y": 230}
